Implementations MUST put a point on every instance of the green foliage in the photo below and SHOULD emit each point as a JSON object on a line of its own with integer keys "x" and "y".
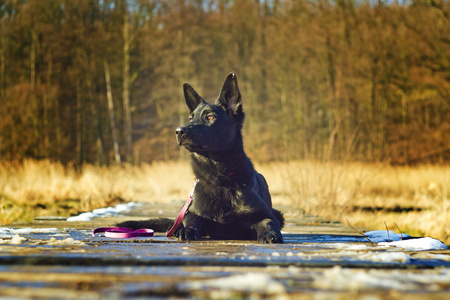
{"x": 322, "y": 80}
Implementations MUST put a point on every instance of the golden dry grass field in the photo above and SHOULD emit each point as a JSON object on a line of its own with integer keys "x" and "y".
{"x": 415, "y": 199}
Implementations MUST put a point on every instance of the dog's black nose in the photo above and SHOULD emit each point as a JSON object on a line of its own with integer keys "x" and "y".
{"x": 180, "y": 131}
{"x": 181, "y": 134}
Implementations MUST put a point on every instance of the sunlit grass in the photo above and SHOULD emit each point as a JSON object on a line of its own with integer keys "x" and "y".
{"x": 340, "y": 191}
{"x": 330, "y": 190}
{"x": 36, "y": 188}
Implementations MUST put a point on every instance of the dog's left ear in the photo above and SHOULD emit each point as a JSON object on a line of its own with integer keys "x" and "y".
{"x": 191, "y": 97}
{"x": 230, "y": 97}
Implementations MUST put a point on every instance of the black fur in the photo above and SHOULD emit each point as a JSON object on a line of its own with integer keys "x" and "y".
{"x": 231, "y": 199}
{"x": 157, "y": 224}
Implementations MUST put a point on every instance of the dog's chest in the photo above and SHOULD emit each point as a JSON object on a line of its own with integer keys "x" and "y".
{"x": 223, "y": 206}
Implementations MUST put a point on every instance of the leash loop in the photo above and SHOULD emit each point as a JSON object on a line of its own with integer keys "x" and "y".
{"x": 122, "y": 232}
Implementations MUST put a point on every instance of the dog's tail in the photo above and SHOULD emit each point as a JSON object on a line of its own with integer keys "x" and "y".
{"x": 279, "y": 216}
{"x": 157, "y": 224}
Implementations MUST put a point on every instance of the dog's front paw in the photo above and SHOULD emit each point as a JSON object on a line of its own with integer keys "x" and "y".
{"x": 271, "y": 237}
{"x": 188, "y": 233}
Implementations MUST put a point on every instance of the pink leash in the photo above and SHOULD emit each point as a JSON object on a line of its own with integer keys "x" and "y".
{"x": 182, "y": 213}
{"x": 123, "y": 232}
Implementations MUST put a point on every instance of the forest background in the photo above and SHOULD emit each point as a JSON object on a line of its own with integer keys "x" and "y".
{"x": 319, "y": 79}
{"x": 99, "y": 82}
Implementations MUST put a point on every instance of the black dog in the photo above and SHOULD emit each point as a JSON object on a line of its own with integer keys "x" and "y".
{"x": 230, "y": 200}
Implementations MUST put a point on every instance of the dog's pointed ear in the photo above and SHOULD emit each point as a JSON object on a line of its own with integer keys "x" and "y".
{"x": 230, "y": 97}
{"x": 193, "y": 100}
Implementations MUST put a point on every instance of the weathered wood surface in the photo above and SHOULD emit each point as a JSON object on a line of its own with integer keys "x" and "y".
{"x": 319, "y": 259}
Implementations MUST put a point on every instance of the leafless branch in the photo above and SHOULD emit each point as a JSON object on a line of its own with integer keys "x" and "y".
{"x": 387, "y": 231}
{"x": 361, "y": 233}
{"x": 401, "y": 234}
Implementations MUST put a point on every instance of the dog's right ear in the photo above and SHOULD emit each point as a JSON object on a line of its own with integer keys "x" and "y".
{"x": 193, "y": 100}
{"x": 230, "y": 97}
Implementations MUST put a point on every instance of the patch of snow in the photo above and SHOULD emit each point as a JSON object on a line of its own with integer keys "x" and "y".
{"x": 15, "y": 240}
{"x": 126, "y": 207}
{"x": 245, "y": 283}
{"x": 107, "y": 211}
{"x": 346, "y": 246}
{"x": 420, "y": 244}
{"x": 378, "y": 236}
{"x": 344, "y": 279}
{"x": 365, "y": 255}
{"x": 29, "y": 230}
{"x": 5, "y": 230}
{"x": 88, "y": 216}
{"x": 8, "y": 232}
{"x": 427, "y": 255}
{"x": 65, "y": 242}
{"x": 386, "y": 257}
{"x": 114, "y": 211}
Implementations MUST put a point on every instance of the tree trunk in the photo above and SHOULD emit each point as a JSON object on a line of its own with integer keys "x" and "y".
{"x": 112, "y": 118}
{"x": 179, "y": 69}
{"x": 33, "y": 58}
{"x": 126, "y": 90}
{"x": 80, "y": 126}
{"x": 2, "y": 66}
{"x": 96, "y": 120}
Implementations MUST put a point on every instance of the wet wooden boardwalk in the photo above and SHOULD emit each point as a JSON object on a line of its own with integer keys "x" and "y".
{"x": 319, "y": 260}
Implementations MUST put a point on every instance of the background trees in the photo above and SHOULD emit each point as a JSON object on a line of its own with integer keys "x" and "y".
{"x": 322, "y": 80}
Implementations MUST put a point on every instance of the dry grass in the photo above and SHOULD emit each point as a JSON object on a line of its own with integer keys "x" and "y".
{"x": 369, "y": 195}
{"x": 35, "y": 188}
{"x": 331, "y": 190}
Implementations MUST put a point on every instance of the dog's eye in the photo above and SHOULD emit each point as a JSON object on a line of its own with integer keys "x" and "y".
{"x": 210, "y": 117}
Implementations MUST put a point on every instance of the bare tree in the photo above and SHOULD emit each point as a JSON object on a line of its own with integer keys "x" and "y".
{"x": 112, "y": 118}
{"x": 128, "y": 131}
